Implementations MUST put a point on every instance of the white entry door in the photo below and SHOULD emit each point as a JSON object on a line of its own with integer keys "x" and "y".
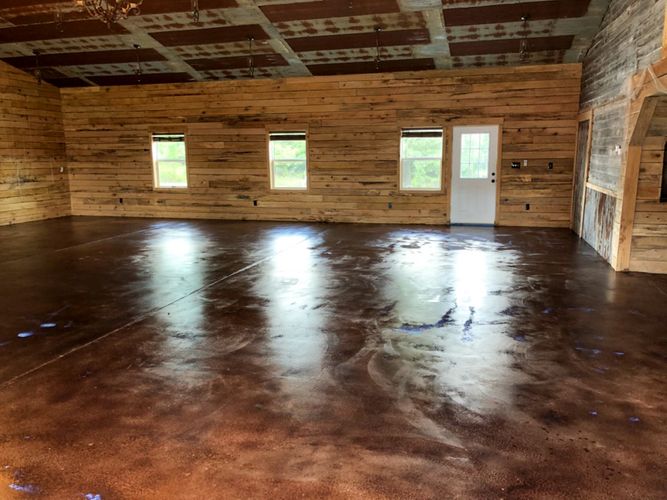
{"x": 474, "y": 174}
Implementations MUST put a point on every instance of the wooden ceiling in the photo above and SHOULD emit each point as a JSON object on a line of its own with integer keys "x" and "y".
{"x": 291, "y": 38}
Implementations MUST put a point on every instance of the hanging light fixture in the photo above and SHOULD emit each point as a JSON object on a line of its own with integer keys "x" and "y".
{"x": 195, "y": 11}
{"x": 378, "y": 59}
{"x": 251, "y": 57}
{"x": 138, "y": 71}
{"x": 523, "y": 45}
{"x": 110, "y": 11}
{"x": 38, "y": 69}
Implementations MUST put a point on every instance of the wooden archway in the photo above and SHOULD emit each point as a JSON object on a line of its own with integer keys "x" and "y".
{"x": 642, "y": 109}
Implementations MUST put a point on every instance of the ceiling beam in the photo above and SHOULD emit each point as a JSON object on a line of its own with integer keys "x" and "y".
{"x": 249, "y": 11}
{"x": 145, "y": 41}
{"x": 438, "y": 49}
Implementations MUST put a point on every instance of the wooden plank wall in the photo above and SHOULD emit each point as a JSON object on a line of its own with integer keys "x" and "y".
{"x": 32, "y": 150}
{"x": 607, "y": 133}
{"x": 353, "y": 124}
{"x": 629, "y": 40}
{"x": 649, "y": 235}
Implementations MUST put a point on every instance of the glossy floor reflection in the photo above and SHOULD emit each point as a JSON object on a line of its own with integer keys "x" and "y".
{"x": 204, "y": 359}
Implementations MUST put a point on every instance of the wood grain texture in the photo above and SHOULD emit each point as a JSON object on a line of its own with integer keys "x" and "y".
{"x": 32, "y": 150}
{"x": 584, "y": 140}
{"x": 629, "y": 40}
{"x": 599, "y": 213}
{"x": 354, "y": 127}
{"x": 649, "y": 231}
{"x": 664, "y": 34}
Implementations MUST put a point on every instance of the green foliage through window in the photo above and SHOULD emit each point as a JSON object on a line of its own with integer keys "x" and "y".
{"x": 288, "y": 160}
{"x": 421, "y": 159}
{"x": 169, "y": 160}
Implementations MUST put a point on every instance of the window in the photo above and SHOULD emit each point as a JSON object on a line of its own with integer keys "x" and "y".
{"x": 475, "y": 155}
{"x": 169, "y": 163}
{"x": 421, "y": 159}
{"x": 288, "y": 160}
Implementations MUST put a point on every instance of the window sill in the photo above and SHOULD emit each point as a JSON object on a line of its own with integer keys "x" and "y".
{"x": 422, "y": 191}
{"x": 170, "y": 190}
{"x": 289, "y": 190}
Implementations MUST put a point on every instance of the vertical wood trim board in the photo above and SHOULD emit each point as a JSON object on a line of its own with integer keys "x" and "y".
{"x": 638, "y": 129}
{"x": 581, "y": 166}
{"x": 354, "y": 125}
{"x": 664, "y": 34}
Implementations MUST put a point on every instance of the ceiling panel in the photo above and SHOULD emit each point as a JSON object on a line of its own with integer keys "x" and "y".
{"x": 343, "y": 25}
{"x": 237, "y": 62}
{"x": 349, "y": 41}
{"x": 168, "y": 6}
{"x": 83, "y": 58}
{"x": 174, "y": 38}
{"x": 9, "y": 4}
{"x": 512, "y": 45}
{"x": 511, "y": 12}
{"x": 371, "y": 67}
{"x": 326, "y": 9}
{"x": 290, "y": 38}
{"x": 51, "y": 31}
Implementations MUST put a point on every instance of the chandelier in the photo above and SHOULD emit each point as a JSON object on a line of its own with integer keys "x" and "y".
{"x": 110, "y": 11}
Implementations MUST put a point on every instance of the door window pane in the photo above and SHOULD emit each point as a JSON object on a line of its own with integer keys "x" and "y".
{"x": 475, "y": 155}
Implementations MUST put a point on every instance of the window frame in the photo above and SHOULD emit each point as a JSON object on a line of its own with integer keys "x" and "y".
{"x": 155, "y": 162}
{"x": 295, "y": 130}
{"x": 443, "y": 155}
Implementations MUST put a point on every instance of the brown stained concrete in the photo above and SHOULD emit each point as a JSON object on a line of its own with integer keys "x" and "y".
{"x": 252, "y": 360}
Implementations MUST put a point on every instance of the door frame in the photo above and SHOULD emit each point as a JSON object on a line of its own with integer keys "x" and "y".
{"x": 581, "y": 117}
{"x": 471, "y": 122}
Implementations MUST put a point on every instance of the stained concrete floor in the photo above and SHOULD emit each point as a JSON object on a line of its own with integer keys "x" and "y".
{"x": 171, "y": 359}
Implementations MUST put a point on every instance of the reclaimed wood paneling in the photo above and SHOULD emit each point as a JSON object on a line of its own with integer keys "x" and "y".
{"x": 354, "y": 127}
{"x": 599, "y": 214}
{"x": 649, "y": 234}
{"x": 629, "y": 40}
{"x": 32, "y": 150}
{"x": 607, "y": 133}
